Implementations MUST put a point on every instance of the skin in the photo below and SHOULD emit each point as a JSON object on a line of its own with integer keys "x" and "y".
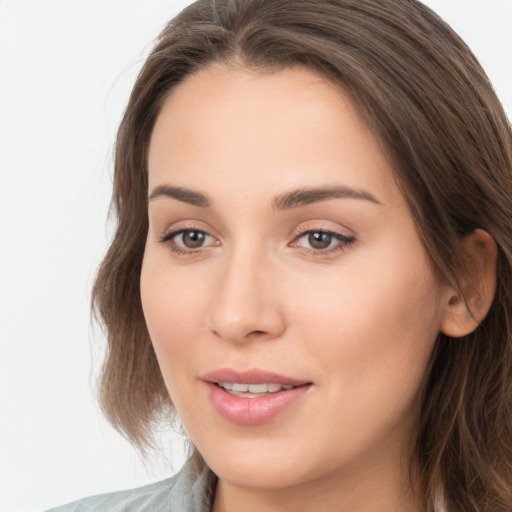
{"x": 358, "y": 319}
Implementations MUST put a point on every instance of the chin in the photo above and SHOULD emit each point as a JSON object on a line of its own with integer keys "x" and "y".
{"x": 268, "y": 476}
{"x": 261, "y": 467}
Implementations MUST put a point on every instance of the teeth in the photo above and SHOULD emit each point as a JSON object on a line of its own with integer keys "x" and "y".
{"x": 253, "y": 390}
{"x": 258, "y": 388}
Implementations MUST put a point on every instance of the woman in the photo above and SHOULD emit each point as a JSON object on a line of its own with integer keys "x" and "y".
{"x": 312, "y": 263}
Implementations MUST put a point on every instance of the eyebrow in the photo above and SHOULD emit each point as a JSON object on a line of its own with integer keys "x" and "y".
{"x": 181, "y": 194}
{"x": 286, "y": 201}
{"x": 305, "y": 196}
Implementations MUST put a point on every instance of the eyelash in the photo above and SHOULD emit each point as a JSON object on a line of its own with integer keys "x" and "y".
{"x": 168, "y": 240}
{"x": 344, "y": 241}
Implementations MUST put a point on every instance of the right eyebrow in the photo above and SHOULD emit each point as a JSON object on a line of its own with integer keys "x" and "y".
{"x": 181, "y": 194}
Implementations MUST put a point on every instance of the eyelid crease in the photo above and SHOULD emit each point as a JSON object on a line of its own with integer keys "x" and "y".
{"x": 169, "y": 235}
{"x": 344, "y": 241}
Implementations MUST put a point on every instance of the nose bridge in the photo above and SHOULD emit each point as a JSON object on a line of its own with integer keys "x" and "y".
{"x": 246, "y": 303}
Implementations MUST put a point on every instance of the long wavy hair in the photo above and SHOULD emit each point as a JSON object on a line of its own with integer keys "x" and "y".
{"x": 428, "y": 101}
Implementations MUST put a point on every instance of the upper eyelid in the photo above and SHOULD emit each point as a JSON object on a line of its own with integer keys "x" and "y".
{"x": 302, "y": 229}
{"x": 340, "y": 230}
{"x": 334, "y": 234}
{"x": 186, "y": 225}
{"x": 298, "y": 230}
{"x": 170, "y": 234}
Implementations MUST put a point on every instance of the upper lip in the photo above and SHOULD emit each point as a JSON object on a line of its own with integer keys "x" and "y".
{"x": 251, "y": 376}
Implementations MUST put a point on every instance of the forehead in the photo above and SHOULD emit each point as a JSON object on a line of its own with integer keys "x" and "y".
{"x": 290, "y": 127}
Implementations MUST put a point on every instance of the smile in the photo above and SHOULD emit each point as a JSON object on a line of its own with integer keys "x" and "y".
{"x": 253, "y": 397}
{"x": 253, "y": 390}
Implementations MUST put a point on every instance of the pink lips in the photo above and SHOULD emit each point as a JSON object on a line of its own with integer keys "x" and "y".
{"x": 252, "y": 411}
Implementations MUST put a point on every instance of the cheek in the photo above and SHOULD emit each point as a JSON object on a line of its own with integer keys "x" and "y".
{"x": 372, "y": 322}
{"x": 174, "y": 306}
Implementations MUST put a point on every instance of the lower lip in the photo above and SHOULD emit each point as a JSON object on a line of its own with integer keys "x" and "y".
{"x": 253, "y": 411}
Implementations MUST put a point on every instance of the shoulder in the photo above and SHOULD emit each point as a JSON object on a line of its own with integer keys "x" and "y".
{"x": 141, "y": 498}
{"x": 188, "y": 491}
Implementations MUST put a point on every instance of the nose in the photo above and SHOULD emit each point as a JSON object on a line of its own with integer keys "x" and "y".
{"x": 246, "y": 304}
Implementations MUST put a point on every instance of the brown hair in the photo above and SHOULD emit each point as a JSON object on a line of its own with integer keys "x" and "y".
{"x": 428, "y": 101}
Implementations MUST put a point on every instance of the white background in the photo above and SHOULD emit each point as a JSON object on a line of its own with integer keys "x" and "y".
{"x": 66, "y": 68}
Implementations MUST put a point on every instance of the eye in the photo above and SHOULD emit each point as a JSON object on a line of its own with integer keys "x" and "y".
{"x": 321, "y": 241}
{"x": 186, "y": 241}
{"x": 191, "y": 239}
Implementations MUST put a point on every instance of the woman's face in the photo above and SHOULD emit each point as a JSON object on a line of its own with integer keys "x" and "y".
{"x": 281, "y": 256}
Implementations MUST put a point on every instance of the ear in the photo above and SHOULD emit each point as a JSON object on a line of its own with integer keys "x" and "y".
{"x": 465, "y": 311}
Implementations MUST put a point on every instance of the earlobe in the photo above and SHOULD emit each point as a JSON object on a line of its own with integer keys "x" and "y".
{"x": 466, "y": 308}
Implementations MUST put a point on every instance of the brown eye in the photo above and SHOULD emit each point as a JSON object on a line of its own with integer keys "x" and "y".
{"x": 191, "y": 239}
{"x": 188, "y": 241}
{"x": 319, "y": 240}
{"x": 323, "y": 242}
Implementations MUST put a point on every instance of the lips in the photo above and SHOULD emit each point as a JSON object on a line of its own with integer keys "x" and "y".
{"x": 254, "y": 376}
{"x": 252, "y": 397}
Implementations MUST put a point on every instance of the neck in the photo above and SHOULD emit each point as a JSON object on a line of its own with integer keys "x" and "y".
{"x": 388, "y": 488}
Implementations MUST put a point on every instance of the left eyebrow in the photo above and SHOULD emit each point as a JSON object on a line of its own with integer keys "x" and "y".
{"x": 305, "y": 196}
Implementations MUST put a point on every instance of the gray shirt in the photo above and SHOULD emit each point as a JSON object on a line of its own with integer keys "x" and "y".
{"x": 191, "y": 490}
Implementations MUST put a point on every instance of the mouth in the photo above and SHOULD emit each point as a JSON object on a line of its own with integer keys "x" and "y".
{"x": 253, "y": 397}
